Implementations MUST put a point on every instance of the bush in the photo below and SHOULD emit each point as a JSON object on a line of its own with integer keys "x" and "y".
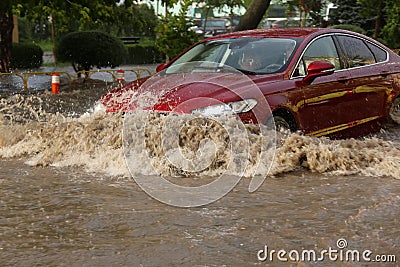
{"x": 26, "y": 56}
{"x": 89, "y": 49}
{"x": 349, "y": 27}
{"x": 143, "y": 54}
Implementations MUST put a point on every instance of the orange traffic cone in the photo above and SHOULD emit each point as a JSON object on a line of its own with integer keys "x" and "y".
{"x": 55, "y": 83}
{"x": 120, "y": 76}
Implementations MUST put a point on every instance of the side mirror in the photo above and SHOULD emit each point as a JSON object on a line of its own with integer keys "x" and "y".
{"x": 318, "y": 69}
{"x": 161, "y": 67}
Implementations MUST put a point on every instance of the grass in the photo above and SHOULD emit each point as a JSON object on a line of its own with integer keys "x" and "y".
{"x": 47, "y": 46}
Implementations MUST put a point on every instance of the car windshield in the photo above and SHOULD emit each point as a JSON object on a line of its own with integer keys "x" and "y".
{"x": 248, "y": 55}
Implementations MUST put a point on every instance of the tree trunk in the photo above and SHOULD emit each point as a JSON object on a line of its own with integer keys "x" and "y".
{"x": 301, "y": 8}
{"x": 254, "y": 14}
{"x": 378, "y": 19}
{"x": 6, "y": 28}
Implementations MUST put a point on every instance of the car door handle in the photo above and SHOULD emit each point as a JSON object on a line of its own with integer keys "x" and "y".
{"x": 343, "y": 79}
{"x": 384, "y": 73}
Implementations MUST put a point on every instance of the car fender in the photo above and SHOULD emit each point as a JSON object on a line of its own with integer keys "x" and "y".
{"x": 281, "y": 103}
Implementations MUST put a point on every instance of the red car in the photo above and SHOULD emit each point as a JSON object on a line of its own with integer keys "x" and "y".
{"x": 317, "y": 81}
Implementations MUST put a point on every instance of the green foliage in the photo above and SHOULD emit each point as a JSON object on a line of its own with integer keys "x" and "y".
{"x": 348, "y": 12}
{"x": 173, "y": 32}
{"x": 349, "y": 27}
{"x": 369, "y": 8}
{"x": 47, "y": 46}
{"x": 373, "y": 12}
{"x": 143, "y": 54}
{"x": 146, "y": 21}
{"x": 379, "y": 18}
{"x": 127, "y": 20}
{"x": 169, "y": 3}
{"x": 308, "y": 10}
{"x": 33, "y": 31}
{"x": 391, "y": 30}
{"x": 88, "y": 49}
{"x": 26, "y": 56}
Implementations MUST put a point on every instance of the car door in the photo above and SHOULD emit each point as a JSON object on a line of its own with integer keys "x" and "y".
{"x": 371, "y": 77}
{"x": 326, "y": 105}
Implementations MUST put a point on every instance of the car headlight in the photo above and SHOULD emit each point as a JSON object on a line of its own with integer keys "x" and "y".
{"x": 235, "y": 107}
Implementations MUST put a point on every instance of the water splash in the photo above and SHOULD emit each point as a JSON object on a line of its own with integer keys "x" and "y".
{"x": 93, "y": 140}
{"x": 368, "y": 156}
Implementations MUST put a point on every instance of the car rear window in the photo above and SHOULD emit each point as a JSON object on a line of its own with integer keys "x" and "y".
{"x": 356, "y": 52}
{"x": 379, "y": 53}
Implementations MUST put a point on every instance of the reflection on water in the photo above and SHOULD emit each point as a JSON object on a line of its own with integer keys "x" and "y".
{"x": 67, "y": 198}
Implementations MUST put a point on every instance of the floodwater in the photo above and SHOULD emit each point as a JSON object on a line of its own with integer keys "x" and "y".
{"x": 67, "y": 197}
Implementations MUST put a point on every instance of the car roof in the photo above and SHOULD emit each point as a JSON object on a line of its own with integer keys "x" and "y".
{"x": 279, "y": 32}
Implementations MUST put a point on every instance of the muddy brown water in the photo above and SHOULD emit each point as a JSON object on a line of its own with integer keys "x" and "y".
{"x": 67, "y": 198}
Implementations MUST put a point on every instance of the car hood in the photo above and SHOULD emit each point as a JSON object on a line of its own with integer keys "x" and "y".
{"x": 119, "y": 97}
{"x": 184, "y": 92}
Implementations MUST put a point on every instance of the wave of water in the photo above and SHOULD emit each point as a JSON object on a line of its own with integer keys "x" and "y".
{"x": 33, "y": 129}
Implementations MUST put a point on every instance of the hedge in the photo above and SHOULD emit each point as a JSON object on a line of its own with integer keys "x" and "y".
{"x": 143, "y": 54}
{"x": 88, "y": 49}
{"x": 26, "y": 56}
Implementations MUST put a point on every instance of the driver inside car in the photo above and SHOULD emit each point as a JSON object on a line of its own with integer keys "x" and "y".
{"x": 289, "y": 48}
{"x": 249, "y": 61}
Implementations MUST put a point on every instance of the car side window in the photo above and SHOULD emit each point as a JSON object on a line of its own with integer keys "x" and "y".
{"x": 356, "y": 52}
{"x": 379, "y": 53}
{"x": 301, "y": 70}
{"x": 322, "y": 49}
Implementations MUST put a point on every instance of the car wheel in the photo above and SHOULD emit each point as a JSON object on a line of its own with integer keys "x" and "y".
{"x": 282, "y": 125}
{"x": 395, "y": 111}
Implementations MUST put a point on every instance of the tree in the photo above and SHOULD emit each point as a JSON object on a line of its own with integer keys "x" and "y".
{"x": 253, "y": 15}
{"x": 127, "y": 19}
{"x": 6, "y": 28}
{"x": 62, "y": 13}
{"x": 168, "y": 4}
{"x": 220, "y": 5}
{"x": 391, "y": 30}
{"x": 173, "y": 32}
{"x": 374, "y": 9}
{"x": 348, "y": 12}
{"x": 307, "y": 9}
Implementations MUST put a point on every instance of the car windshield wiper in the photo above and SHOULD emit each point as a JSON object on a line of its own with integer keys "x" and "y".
{"x": 249, "y": 72}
